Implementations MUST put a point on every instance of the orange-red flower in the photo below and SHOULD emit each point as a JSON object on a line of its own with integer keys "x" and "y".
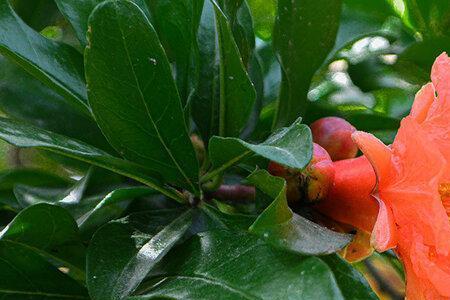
{"x": 412, "y": 190}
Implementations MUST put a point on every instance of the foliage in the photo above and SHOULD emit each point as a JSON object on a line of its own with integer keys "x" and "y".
{"x": 124, "y": 117}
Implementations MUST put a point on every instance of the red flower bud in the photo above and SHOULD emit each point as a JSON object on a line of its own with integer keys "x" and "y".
{"x": 335, "y": 135}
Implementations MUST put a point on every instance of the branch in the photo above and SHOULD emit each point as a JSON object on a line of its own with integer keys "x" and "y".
{"x": 235, "y": 193}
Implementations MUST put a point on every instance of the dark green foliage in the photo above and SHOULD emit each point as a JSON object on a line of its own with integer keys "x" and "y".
{"x": 139, "y": 110}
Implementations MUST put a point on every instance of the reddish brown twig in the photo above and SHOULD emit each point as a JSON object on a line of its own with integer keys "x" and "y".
{"x": 233, "y": 193}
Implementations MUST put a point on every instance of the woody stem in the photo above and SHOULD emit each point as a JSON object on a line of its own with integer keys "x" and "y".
{"x": 233, "y": 193}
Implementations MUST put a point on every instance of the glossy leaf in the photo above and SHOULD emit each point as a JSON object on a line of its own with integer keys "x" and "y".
{"x": 290, "y": 146}
{"x": 358, "y": 115}
{"x": 362, "y": 19}
{"x": 431, "y": 18}
{"x": 110, "y": 207}
{"x": 36, "y": 14}
{"x": 57, "y": 65}
{"x": 226, "y": 265}
{"x": 149, "y": 127}
{"x": 346, "y": 275}
{"x": 27, "y": 275}
{"x": 241, "y": 22}
{"x": 27, "y": 136}
{"x": 230, "y": 7}
{"x": 263, "y": 12}
{"x": 212, "y": 218}
{"x": 302, "y": 54}
{"x": 177, "y": 22}
{"x": 237, "y": 94}
{"x": 29, "y": 195}
{"x": 24, "y": 98}
{"x": 279, "y": 226}
{"x": 68, "y": 198}
{"x": 205, "y": 101}
{"x": 31, "y": 177}
{"x": 50, "y": 231}
{"x": 256, "y": 74}
{"x": 121, "y": 255}
{"x": 77, "y": 13}
{"x": 76, "y": 192}
{"x": 414, "y": 63}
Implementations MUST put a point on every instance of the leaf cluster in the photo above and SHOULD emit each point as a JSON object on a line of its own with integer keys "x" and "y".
{"x": 124, "y": 116}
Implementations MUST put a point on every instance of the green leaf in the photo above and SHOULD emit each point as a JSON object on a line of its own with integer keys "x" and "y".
{"x": 37, "y": 14}
{"x": 415, "y": 62}
{"x": 362, "y": 19}
{"x": 240, "y": 19}
{"x": 57, "y": 65}
{"x": 263, "y": 12}
{"x": 76, "y": 192}
{"x": 279, "y": 226}
{"x": 77, "y": 13}
{"x": 24, "y": 98}
{"x": 302, "y": 40}
{"x": 205, "y": 101}
{"x": 212, "y": 218}
{"x": 50, "y": 231}
{"x": 237, "y": 93}
{"x": 177, "y": 22}
{"x": 346, "y": 276}
{"x": 289, "y": 146}
{"x": 27, "y": 275}
{"x": 31, "y": 177}
{"x": 69, "y": 199}
{"x": 149, "y": 127}
{"x": 430, "y": 18}
{"x": 123, "y": 252}
{"x": 229, "y": 265}
{"x": 110, "y": 207}
{"x": 28, "y": 196}
{"x": 256, "y": 74}
{"x": 393, "y": 102}
{"x": 357, "y": 114}
{"x": 25, "y": 136}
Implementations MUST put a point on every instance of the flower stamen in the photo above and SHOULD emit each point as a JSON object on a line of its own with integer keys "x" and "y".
{"x": 444, "y": 192}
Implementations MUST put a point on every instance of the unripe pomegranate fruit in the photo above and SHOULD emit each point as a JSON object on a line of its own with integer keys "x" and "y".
{"x": 319, "y": 175}
{"x": 311, "y": 184}
{"x": 335, "y": 135}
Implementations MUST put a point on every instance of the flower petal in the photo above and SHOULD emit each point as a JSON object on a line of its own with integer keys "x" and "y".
{"x": 384, "y": 234}
{"x": 417, "y": 163}
{"x": 422, "y": 103}
{"x": 432, "y": 269}
{"x": 378, "y": 153}
{"x": 440, "y": 76}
